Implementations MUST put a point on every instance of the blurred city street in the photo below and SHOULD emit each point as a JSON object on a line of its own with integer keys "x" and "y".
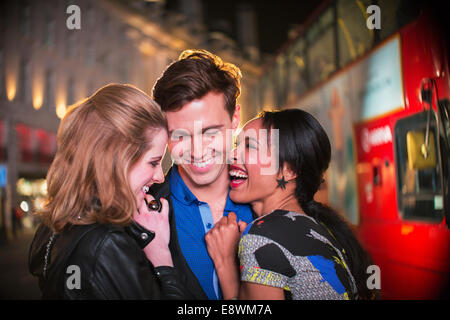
{"x": 374, "y": 73}
{"x": 16, "y": 282}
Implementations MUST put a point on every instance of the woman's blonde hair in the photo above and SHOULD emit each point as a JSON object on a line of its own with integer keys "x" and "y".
{"x": 99, "y": 141}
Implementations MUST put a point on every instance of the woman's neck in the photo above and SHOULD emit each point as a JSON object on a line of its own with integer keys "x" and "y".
{"x": 281, "y": 200}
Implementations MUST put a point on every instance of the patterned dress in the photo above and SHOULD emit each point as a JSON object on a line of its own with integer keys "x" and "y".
{"x": 292, "y": 251}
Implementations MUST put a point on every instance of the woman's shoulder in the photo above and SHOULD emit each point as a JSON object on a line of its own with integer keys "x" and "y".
{"x": 281, "y": 221}
{"x": 101, "y": 239}
{"x": 296, "y": 232}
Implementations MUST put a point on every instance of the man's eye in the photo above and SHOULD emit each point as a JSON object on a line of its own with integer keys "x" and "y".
{"x": 211, "y": 133}
{"x": 178, "y": 136}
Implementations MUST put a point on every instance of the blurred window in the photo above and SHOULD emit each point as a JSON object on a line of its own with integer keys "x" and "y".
{"x": 280, "y": 80}
{"x": 49, "y": 30}
{"x": 3, "y": 147}
{"x": 70, "y": 91}
{"x": 2, "y": 75}
{"x": 24, "y": 18}
{"x": 255, "y": 99}
{"x": 91, "y": 53}
{"x": 321, "y": 56}
{"x": 25, "y": 80}
{"x": 297, "y": 74}
{"x": 71, "y": 41}
{"x": 419, "y": 189}
{"x": 321, "y": 48}
{"x": 445, "y": 148}
{"x": 354, "y": 38}
{"x": 395, "y": 14}
{"x": 49, "y": 90}
{"x": 299, "y": 62}
{"x": 267, "y": 92}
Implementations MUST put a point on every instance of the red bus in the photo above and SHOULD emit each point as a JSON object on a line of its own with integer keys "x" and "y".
{"x": 387, "y": 115}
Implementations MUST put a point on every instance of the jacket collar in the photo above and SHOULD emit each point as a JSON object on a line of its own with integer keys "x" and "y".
{"x": 140, "y": 234}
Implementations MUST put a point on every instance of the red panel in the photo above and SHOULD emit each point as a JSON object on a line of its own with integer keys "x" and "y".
{"x": 24, "y": 142}
{"x": 413, "y": 256}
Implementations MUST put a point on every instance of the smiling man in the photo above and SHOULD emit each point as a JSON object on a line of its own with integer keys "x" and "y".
{"x": 198, "y": 93}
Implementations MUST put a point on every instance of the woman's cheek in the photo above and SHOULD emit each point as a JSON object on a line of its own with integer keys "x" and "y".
{"x": 252, "y": 157}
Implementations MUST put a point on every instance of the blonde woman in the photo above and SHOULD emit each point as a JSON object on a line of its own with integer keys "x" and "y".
{"x": 98, "y": 240}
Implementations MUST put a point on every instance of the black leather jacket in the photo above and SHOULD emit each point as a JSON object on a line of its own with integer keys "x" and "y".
{"x": 107, "y": 263}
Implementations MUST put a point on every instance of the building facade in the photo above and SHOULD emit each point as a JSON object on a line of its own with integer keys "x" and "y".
{"x": 47, "y": 65}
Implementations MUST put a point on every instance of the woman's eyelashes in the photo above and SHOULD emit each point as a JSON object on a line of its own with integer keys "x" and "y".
{"x": 154, "y": 164}
{"x": 251, "y": 144}
{"x": 248, "y": 144}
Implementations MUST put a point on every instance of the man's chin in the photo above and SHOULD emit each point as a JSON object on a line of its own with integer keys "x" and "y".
{"x": 202, "y": 177}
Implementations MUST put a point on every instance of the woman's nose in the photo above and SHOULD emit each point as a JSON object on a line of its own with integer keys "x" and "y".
{"x": 158, "y": 177}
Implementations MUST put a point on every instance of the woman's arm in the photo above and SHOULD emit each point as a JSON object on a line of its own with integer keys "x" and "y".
{"x": 222, "y": 242}
{"x": 254, "y": 291}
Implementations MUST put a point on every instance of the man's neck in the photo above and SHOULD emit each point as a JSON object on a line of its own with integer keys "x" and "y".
{"x": 210, "y": 193}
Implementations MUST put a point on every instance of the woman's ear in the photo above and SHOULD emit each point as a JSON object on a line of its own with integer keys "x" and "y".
{"x": 288, "y": 173}
{"x": 236, "y": 117}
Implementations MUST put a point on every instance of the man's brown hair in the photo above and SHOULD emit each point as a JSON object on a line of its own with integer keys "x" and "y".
{"x": 195, "y": 74}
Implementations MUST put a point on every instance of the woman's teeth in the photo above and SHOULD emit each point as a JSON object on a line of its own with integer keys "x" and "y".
{"x": 146, "y": 189}
{"x": 238, "y": 174}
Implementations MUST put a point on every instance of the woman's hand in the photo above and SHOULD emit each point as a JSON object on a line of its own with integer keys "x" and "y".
{"x": 222, "y": 242}
{"x": 157, "y": 251}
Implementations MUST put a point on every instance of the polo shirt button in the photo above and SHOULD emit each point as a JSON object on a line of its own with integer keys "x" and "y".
{"x": 209, "y": 225}
{"x": 144, "y": 236}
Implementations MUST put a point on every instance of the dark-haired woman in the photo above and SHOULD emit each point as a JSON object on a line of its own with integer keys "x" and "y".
{"x": 297, "y": 248}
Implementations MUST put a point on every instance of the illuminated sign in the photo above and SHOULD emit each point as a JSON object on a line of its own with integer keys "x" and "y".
{"x": 3, "y": 175}
{"x": 380, "y": 79}
{"x": 375, "y": 137}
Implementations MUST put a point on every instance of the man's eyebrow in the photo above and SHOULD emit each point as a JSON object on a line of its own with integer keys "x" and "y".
{"x": 182, "y": 130}
{"x": 218, "y": 126}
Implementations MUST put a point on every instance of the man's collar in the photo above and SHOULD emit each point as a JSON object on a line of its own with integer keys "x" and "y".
{"x": 179, "y": 189}
{"x": 182, "y": 193}
{"x": 230, "y": 206}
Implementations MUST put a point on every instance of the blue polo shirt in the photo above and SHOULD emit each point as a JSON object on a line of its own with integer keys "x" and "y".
{"x": 193, "y": 220}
